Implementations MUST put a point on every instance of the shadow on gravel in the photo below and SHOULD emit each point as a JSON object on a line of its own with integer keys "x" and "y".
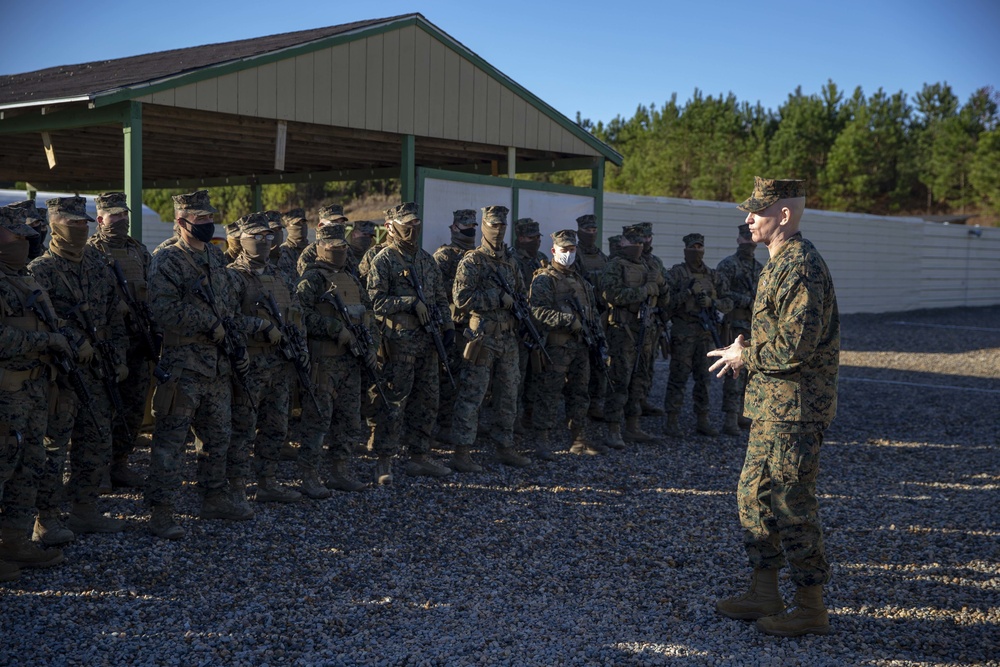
{"x": 941, "y": 330}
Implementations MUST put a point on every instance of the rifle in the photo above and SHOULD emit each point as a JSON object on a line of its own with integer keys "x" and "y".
{"x": 434, "y": 323}
{"x": 140, "y": 323}
{"x": 593, "y": 338}
{"x": 645, "y": 311}
{"x": 232, "y": 345}
{"x": 522, "y": 311}
{"x": 706, "y": 317}
{"x": 292, "y": 345}
{"x": 364, "y": 344}
{"x": 63, "y": 361}
{"x": 105, "y": 369}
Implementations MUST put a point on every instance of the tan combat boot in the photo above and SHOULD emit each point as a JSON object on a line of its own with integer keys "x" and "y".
{"x": 238, "y": 495}
{"x": 288, "y": 452}
{"x": 84, "y": 518}
{"x": 51, "y": 531}
{"x": 614, "y": 439}
{"x": 729, "y": 425}
{"x": 508, "y": 456}
{"x": 218, "y": 504}
{"x": 704, "y": 427}
{"x": 123, "y": 477}
{"x": 341, "y": 479}
{"x": 9, "y": 571}
{"x": 421, "y": 466}
{"x": 582, "y": 445}
{"x": 807, "y": 616}
{"x": 543, "y": 446}
{"x": 634, "y": 433}
{"x": 462, "y": 461}
{"x": 762, "y": 599}
{"x": 383, "y": 470}
{"x": 163, "y": 524}
{"x": 269, "y": 491}
{"x": 312, "y": 487}
{"x": 18, "y": 550}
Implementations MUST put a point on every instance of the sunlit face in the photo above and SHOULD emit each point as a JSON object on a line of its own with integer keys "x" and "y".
{"x": 765, "y": 224}
{"x": 108, "y": 219}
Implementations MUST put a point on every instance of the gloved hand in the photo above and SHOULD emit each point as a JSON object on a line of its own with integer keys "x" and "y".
{"x": 242, "y": 363}
{"x": 704, "y": 300}
{"x": 58, "y": 343}
{"x": 85, "y": 353}
{"x": 371, "y": 359}
{"x": 303, "y": 359}
{"x": 421, "y": 310}
{"x": 121, "y": 372}
{"x": 506, "y": 301}
{"x": 217, "y": 333}
{"x": 576, "y": 325}
{"x": 273, "y": 333}
{"x": 448, "y": 338}
{"x": 652, "y": 289}
{"x": 346, "y": 338}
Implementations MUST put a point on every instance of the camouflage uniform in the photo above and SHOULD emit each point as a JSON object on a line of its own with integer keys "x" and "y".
{"x": 590, "y": 263}
{"x": 555, "y": 290}
{"x": 290, "y": 251}
{"x": 328, "y": 215}
{"x": 198, "y": 396}
{"x": 134, "y": 260}
{"x": 447, "y": 258}
{"x": 740, "y": 272}
{"x": 410, "y": 366}
{"x": 493, "y": 341}
{"x": 356, "y": 249}
{"x": 260, "y": 417}
{"x": 528, "y": 261}
{"x": 658, "y": 323}
{"x": 695, "y": 287}
{"x": 26, "y": 387}
{"x": 83, "y": 294}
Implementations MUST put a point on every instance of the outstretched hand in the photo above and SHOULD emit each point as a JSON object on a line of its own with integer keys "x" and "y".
{"x": 730, "y": 358}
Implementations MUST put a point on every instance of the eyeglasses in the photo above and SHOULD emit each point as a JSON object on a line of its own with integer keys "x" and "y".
{"x": 263, "y": 237}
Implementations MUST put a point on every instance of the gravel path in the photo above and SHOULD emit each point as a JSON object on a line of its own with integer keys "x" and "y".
{"x": 587, "y": 561}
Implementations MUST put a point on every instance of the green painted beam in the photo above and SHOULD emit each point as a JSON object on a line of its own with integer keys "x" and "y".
{"x": 132, "y": 129}
{"x": 597, "y": 183}
{"x": 67, "y": 119}
{"x": 408, "y": 169}
{"x": 257, "y": 194}
{"x": 267, "y": 179}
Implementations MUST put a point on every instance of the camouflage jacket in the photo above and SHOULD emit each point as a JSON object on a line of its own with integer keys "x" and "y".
{"x": 71, "y": 285}
{"x": 476, "y": 290}
{"x": 740, "y": 277}
{"x": 365, "y": 263}
{"x": 623, "y": 287}
{"x": 23, "y": 337}
{"x": 794, "y": 352}
{"x": 321, "y": 319}
{"x": 185, "y": 319}
{"x": 552, "y": 291}
{"x": 685, "y": 284}
{"x": 394, "y": 297}
{"x": 250, "y": 287}
{"x": 306, "y": 258}
{"x": 590, "y": 262}
{"x": 447, "y": 258}
{"x": 287, "y": 264}
{"x": 134, "y": 259}
{"x": 529, "y": 264}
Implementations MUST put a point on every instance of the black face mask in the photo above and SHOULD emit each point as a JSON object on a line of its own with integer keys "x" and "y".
{"x": 693, "y": 257}
{"x": 746, "y": 250}
{"x": 470, "y": 232}
{"x": 203, "y": 232}
{"x": 632, "y": 252}
{"x": 587, "y": 238}
{"x": 36, "y": 244}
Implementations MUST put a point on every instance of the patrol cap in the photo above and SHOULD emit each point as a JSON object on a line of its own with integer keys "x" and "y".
{"x": 563, "y": 238}
{"x": 232, "y": 229}
{"x": 332, "y": 213}
{"x": 13, "y": 220}
{"x": 464, "y": 216}
{"x": 112, "y": 203}
{"x": 333, "y": 232}
{"x": 71, "y": 208}
{"x": 253, "y": 223}
{"x": 614, "y": 242}
{"x": 766, "y": 191}
{"x": 274, "y": 220}
{"x": 744, "y": 232}
{"x": 293, "y": 216}
{"x": 407, "y": 212}
{"x": 31, "y": 212}
{"x": 691, "y": 239}
{"x": 646, "y": 227}
{"x": 365, "y": 227}
{"x": 193, "y": 203}
{"x": 526, "y": 227}
{"x": 586, "y": 221}
{"x": 633, "y": 233}
{"x": 495, "y": 215}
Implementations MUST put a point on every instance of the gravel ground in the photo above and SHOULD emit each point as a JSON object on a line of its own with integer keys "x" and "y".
{"x": 587, "y": 561}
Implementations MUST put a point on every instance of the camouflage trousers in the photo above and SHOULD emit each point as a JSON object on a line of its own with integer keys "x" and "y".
{"x": 410, "y": 376}
{"x": 627, "y": 387}
{"x": 687, "y": 358}
{"x": 568, "y": 376}
{"x": 528, "y": 387}
{"x": 134, "y": 391}
{"x": 27, "y": 412}
{"x": 498, "y": 361}
{"x": 260, "y": 420}
{"x": 189, "y": 401}
{"x": 337, "y": 384}
{"x": 777, "y": 501}
{"x": 447, "y": 394}
{"x": 81, "y": 433}
{"x": 734, "y": 388}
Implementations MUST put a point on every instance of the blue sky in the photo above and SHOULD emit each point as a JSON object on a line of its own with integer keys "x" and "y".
{"x": 602, "y": 59}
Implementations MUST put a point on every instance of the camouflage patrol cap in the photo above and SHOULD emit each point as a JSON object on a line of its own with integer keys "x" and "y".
{"x": 293, "y": 215}
{"x": 13, "y": 220}
{"x": 274, "y": 220}
{"x": 693, "y": 238}
{"x": 464, "y": 216}
{"x": 365, "y": 227}
{"x": 331, "y": 233}
{"x": 633, "y": 233}
{"x": 112, "y": 203}
{"x": 495, "y": 215}
{"x": 194, "y": 203}
{"x": 253, "y": 223}
{"x": 588, "y": 220}
{"x": 526, "y": 227}
{"x": 614, "y": 243}
{"x": 646, "y": 227}
{"x": 331, "y": 213}
{"x": 232, "y": 229}
{"x": 744, "y": 231}
{"x": 563, "y": 238}
{"x": 31, "y": 212}
{"x": 71, "y": 208}
{"x": 766, "y": 191}
{"x": 405, "y": 212}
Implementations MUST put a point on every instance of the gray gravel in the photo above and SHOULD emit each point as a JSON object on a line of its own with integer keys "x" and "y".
{"x": 597, "y": 561}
